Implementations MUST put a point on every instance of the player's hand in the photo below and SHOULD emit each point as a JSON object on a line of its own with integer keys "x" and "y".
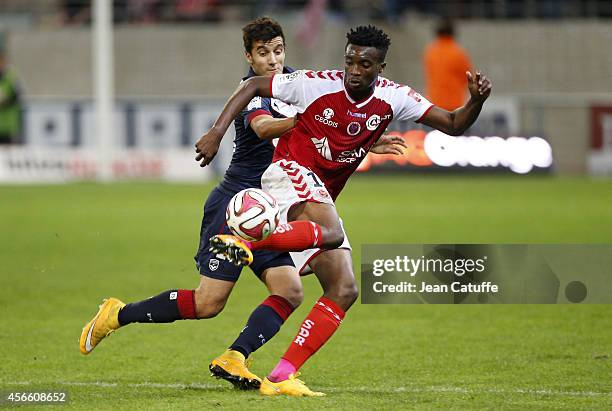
{"x": 207, "y": 147}
{"x": 479, "y": 85}
{"x": 389, "y": 144}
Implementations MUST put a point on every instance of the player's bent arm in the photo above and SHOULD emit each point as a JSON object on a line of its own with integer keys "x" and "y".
{"x": 268, "y": 128}
{"x": 208, "y": 145}
{"x": 455, "y": 122}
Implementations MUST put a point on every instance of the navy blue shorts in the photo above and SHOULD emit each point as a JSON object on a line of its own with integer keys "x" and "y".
{"x": 213, "y": 223}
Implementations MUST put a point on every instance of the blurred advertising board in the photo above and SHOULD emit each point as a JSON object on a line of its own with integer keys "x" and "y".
{"x": 435, "y": 150}
{"x": 58, "y": 165}
{"x": 150, "y": 133}
{"x": 600, "y": 152}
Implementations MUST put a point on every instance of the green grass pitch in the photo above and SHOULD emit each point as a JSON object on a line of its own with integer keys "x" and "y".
{"x": 66, "y": 247}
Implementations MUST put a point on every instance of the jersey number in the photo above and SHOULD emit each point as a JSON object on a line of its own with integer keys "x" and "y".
{"x": 317, "y": 183}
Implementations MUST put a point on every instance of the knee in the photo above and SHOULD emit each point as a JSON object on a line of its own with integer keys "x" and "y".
{"x": 333, "y": 237}
{"x": 344, "y": 294}
{"x": 207, "y": 308}
{"x": 295, "y": 296}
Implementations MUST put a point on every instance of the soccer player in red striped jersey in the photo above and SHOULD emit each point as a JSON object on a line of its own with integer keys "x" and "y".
{"x": 341, "y": 115}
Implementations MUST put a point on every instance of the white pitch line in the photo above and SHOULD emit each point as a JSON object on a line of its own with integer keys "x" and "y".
{"x": 412, "y": 389}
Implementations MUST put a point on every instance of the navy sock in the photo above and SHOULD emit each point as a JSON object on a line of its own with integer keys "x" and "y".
{"x": 263, "y": 324}
{"x": 166, "y": 307}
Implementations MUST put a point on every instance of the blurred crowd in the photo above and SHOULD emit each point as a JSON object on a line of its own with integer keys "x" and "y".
{"x": 78, "y": 12}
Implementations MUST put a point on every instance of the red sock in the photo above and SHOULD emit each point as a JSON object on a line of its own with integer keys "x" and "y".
{"x": 294, "y": 236}
{"x": 320, "y": 324}
{"x": 185, "y": 302}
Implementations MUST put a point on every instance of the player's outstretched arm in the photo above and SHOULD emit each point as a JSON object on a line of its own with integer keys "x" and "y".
{"x": 208, "y": 145}
{"x": 268, "y": 128}
{"x": 456, "y": 122}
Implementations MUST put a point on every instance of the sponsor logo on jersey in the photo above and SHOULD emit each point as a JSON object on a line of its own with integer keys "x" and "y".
{"x": 373, "y": 122}
{"x": 286, "y": 78}
{"x": 173, "y": 295}
{"x": 353, "y": 128}
{"x": 322, "y": 146}
{"x": 328, "y": 113}
{"x": 213, "y": 264}
{"x": 358, "y": 115}
{"x": 350, "y": 156}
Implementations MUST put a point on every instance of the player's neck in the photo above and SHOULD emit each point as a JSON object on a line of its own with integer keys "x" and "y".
{"x": 361, "y": 95}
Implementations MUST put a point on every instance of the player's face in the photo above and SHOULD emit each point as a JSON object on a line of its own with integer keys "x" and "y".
{"x": 361, "y": 67}
{"x": 267, "y": 58}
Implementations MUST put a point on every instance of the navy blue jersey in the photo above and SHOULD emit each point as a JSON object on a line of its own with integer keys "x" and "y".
{"x": 251, "y": 154}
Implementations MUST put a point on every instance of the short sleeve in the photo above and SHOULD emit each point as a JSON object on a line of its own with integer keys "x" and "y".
{"x": 257, "y": 106}
{"x": 409, "y": 105}
{"x": 289, "y": 88}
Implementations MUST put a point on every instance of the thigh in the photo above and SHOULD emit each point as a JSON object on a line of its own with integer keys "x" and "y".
{"x": 302, "y": 259}
{"x": 293, "y": 185}
{"x": 334, "y": 268}
{"x": 213, "y": 222}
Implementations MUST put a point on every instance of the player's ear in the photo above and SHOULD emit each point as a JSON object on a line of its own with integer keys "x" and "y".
{"x": 382, "y": 67}
{"x": 249, "y": 57}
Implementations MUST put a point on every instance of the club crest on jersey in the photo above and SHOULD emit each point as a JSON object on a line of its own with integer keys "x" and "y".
{"x": 323, "y": 193}
{"x": 213, "y": 264}
{"x": 353, "y": 128}
{"x": 373, "y": 122}
{"x": 328, "y": 113}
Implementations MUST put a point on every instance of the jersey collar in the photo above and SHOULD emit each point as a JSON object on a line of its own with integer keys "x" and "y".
{"x": 359, "y": 104}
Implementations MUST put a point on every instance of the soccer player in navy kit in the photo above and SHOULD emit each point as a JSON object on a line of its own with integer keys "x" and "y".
{"x": 262, "y": 120}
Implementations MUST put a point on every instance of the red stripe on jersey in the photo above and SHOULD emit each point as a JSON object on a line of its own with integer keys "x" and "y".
{"x": 300, "y": 186}
{"x": 310, "y": 74}
{"x": 330, "y": 75}
{"x": 271, "y": 79}
{"x": 260, "y": 112}
{"x": 423, "y": 115}
{"x": 339, "y": 74}
{"x": 320, "y": 74}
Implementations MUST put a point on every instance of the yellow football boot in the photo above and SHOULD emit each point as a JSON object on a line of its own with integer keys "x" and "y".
{"x": 291, "y": 386}
{"x": 232, "y": 248}
{"x": 104, "y": 323}
{"x": 232, "y": 367}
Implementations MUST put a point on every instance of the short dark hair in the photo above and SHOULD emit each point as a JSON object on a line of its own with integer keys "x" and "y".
{"x": 262, "y": 29}
{"x": 369, "y": 36}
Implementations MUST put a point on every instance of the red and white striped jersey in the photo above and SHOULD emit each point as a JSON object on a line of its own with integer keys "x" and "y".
{"x": 333, "y": 132}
